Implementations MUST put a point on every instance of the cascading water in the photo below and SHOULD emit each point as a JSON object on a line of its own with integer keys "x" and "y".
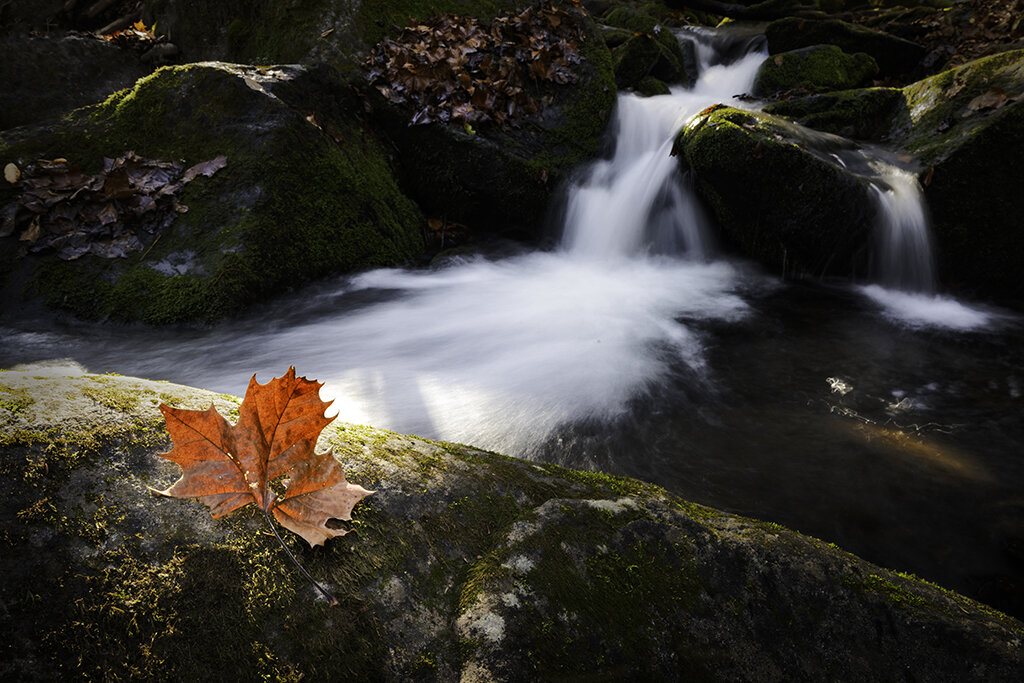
{"x": 633, "y": 348}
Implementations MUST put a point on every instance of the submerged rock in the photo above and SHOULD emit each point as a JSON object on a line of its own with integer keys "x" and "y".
{"x": 463, "y": 564}
{"x": 305, "y": 192}
{"x": 819, "y": 67}
{"x": 778, "y": 193}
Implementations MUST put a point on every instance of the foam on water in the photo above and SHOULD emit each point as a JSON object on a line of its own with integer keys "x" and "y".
{"x": 915, "y": 309}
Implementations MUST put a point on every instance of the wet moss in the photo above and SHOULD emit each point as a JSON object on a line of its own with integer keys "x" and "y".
{"x": 822, "y": 67}
{"x": 291, "y": 205}
{"x": 865, "y": 114}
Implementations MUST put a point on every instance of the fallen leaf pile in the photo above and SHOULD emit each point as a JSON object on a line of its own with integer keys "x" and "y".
{"x": 137, "y": 36}
{"x": 61, "y": 208}
{"x": 229, "y": 466}
{"x": 459, "y": 69}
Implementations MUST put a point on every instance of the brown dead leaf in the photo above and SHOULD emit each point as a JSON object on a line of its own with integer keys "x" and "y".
{"x": 229, "y": 466}
{"x": 994, "y": 98}
{"x": 12, "y": 173}
{"x": 206, "y": 168}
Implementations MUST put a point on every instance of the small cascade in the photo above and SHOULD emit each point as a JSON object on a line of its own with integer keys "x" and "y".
{"x": 903, "y": 235}
{"x": 636, "y": 202}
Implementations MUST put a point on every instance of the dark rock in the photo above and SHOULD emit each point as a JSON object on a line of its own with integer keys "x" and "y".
{"x": 895, "y": 56}
{"x": 306, "y": 192}
{"x": 865, "y": 114}
{"x": 337, "y": 32}
{"x": 819, "y": 67}
{"x": 966, "y": 125}
{"x": 776, "y": 192}
{"x": 463, "y": 565}
{"x": 652, "y": 50}
{"x": 651, "y": 86}
{"x": 47, "y": 76}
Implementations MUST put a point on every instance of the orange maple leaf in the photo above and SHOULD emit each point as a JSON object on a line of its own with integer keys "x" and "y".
{"x": 229, "y": 466}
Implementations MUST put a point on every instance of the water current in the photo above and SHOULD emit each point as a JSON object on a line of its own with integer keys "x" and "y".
{"x": 884, "y": 417}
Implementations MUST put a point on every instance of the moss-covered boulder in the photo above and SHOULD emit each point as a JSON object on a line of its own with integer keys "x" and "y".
{"x": 652, "y": 49}
{"x": 306, "y": 192}
{"x": 777, "y": 193}
{"x": 863, "y": 114}
{"x": 463, "y": 564}
{"x": 499, "y": 178}
{"x": 896, "y": 57}
{"x": 966, "y": 125}
{"x": 46, "y": 76}
{"x": 819, "y": 67}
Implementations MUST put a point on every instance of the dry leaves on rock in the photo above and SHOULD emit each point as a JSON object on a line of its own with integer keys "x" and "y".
{"x": 459, "y": 69}
{"x": 61, "y": 208}
{"x": 229, "y": 466}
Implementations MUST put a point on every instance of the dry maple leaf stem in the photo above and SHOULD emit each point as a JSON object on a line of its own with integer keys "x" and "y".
{"x": 330, "y": 598}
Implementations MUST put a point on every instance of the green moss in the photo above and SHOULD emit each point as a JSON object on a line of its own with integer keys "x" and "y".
{"x": 109, "y": 392}
{"x": 866, "y": 114}
{"x": 290, "y": 206}
{"x": 644, "y": 585}
{"x": 14, "y": 399}
{"x": 823, "y": 67}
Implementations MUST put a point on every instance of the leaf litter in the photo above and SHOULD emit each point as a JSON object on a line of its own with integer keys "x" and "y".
{"x": 460, "y": 69}
{"x": 108, "y": 214}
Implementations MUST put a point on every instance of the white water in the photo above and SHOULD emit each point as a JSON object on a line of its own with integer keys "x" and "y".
{"x": 500, "y": 353}
{"x": 906, "y": 282}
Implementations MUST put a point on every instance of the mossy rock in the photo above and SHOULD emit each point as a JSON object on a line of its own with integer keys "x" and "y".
{"x": 863, "y": 114}
{"x": 776, "y": 193}
{"x": 294, "y": 203}
{"x": 819, "y": 67}
{"x": 651, "y": 86}
{"x": 463, "y": 564}
{"x": 896, "y": 57}
{"x": 652, "y": 49}
{"x": 966, "y": 125}
{"x": 502, "y": 179}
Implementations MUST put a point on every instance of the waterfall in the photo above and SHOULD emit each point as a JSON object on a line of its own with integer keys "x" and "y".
{"x": 903, "y": 233}
{"x": 636, "y": 202}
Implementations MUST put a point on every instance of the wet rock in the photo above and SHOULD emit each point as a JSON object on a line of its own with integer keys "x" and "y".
{"x": 895, "y": 56}
{"x": 305, "y": 192}
{"x": 652, "y": 49}
{"x": 463, "y": 564}
{"x": 777, "y": 192}
{"x": 966, "y": 125}
{"x": 819, "y": 67}
{"x": 864, "y": 114}
{"x": 46, "y": 76}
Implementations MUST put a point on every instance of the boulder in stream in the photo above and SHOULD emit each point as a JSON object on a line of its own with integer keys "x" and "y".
{"x": 965, "y": 129}
{"x": 896, "y": 57}
{"x": 819, "y": 67}
{"x": 463, "y": 564}
{"x": 304, "y": 192}
{"x": 777, "y": 192}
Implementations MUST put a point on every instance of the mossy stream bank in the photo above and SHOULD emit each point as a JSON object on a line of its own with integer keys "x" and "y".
{"x": 463, "y": 564}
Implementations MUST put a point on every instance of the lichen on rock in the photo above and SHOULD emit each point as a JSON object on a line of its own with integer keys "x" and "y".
{"x": 464, "y": 563}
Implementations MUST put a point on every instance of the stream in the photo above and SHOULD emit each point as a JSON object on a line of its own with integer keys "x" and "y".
{"x": 883, "y": 416}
